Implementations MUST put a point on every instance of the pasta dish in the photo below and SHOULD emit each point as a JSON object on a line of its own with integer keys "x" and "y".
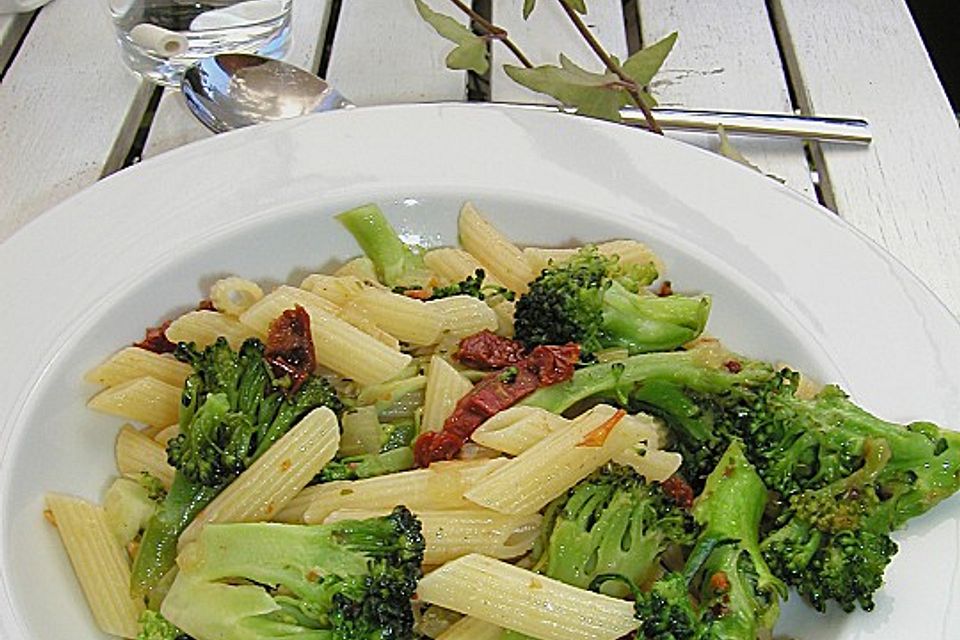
{"x": 481, "y": 442}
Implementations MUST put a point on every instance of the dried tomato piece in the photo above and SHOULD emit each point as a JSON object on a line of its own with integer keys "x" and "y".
{"x": 487, "y": 350}
{"x": 290, "y": 349}
{"x": 155, "y": 339}
{"x": 545, "y": 365}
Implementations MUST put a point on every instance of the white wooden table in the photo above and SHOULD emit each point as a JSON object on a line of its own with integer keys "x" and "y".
{"x": 70, "y": 111}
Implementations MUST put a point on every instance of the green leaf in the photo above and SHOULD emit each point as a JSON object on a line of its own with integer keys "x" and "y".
{"x": 471, "y": 52}
{"x": 592, "y": 94}
{"x": 644, "y": 64}
{"x": 580, "y": 6}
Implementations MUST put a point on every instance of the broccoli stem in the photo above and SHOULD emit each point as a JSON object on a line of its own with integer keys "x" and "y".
{"x": 394, "y": 261}
{"x": 158, "y": 547}
{"x": 616, "y": 381}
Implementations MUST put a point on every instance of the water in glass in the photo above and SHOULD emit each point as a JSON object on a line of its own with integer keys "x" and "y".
{"x": 161, "y": 38}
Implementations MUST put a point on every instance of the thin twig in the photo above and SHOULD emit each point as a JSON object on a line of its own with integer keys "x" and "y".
{"x": 611, "y": 64}
{"x": 492, "y": 30}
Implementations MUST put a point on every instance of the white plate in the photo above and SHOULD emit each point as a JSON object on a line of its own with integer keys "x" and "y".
{"x": 790, "y": 282}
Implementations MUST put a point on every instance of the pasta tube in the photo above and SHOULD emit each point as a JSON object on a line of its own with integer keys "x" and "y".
{"x": 438, "y": 488}
{"x": 503, "y": 594}
{"x": 464, "y": 315}
{"x": 411, "y": 321}
{"x": 143, "y": 399}
{"x": 500, "y": 257}
{"x": 204, "y": 327}
{"x": 445, "y": 386}
{"x": 451, "y": 534}
{"x": 469, "y": 628}
{"x": 100, "y": 563}
{"x": 528, "y": 482}
{"x": 134, "y": 362}
{"x": 138, "y": 453}
{"x": 454, "y": 265}
{"x": 276, "y": 476}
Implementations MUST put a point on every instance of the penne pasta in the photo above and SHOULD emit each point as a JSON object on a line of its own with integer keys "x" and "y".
{"x": 445, "y": 386}
{"x": 361, "y": 268}
{"x": 134, "y": 362}
{"x": 506, "y": 595}
{"x": 630, "y": 252}
{"x": 517, "y": 429}
{"x": 454, "y": 265}
{"x": 528, "y": 482}
{"x": 100, "y": 563}
{"x": 655, "y": 465}
{"x": 438, "y": 488}
{"x": 167, "y": 434}
{"x": 143, "y": 399}
{"x": 234, "y": 295}
{"x": 204, "y": 327}
{"x": 500, "y": 257}
{"x": 357, "y": 318}
{"x": 504, "y": 310}
{"x": 260, "y": 315}
{"x": 138, "y": 453}
{"x": 451, "y": 534}
{"x": 276, "y": 476}
{"x": 411, "y": 321}
{"x": 464, "y": 315}
{"x": 336, "y": 289}
{"x": 469, "y": 628}
{"x": 338, "y": 345}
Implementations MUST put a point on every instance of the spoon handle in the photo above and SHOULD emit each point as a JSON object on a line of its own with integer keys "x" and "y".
{"x": 750, "y": 123}
{"x": 786, "y": 125}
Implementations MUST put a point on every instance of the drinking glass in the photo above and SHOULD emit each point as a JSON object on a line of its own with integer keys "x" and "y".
{"x": 159, "y": 39}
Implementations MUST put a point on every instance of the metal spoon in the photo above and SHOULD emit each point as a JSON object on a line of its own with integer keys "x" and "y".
{"x": 234, "y": 90}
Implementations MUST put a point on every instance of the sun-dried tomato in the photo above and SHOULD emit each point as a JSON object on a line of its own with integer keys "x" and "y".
{"x": 290, "y": 349}
{"x": 487, "y": 350}
{"x": 544, "y": 366}
{"x": 155, "y": 339}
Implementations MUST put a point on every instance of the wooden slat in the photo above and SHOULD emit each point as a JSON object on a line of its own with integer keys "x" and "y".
{"x": 174, "y": 125}
{"x": 12, "y": 27}
{"x": 383, "y": 52}
{"x": 726, "y": 57}
{"x": 69, "y": 111}
{"x": 865, "y": 57}
{"x": 547, "y": 33}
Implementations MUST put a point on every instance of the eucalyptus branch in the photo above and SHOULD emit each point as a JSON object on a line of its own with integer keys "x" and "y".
{"x": 611, "y": 64}
{"x": 495, "y": 32}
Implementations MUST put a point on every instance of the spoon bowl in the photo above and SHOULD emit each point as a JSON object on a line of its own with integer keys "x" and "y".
{"x": 234, "y": 90}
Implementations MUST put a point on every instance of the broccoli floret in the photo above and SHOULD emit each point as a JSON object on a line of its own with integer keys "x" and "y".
{"x": 349, "y": 580}
{"x": 596, "y": 302}
{"x": 737, "y": 595}
{"x": 667, "y": 611}
{"x": 611, "y": 522}
{"x": 154, "y": 626}
{"x": 844, "y": 478}
{"x": 395, "y": 262}
{"x": 472, "y": 286}
{"x": 230, "y": 413}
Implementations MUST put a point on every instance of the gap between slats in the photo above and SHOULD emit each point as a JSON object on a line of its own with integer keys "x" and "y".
{"x": 13, "y": 30}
